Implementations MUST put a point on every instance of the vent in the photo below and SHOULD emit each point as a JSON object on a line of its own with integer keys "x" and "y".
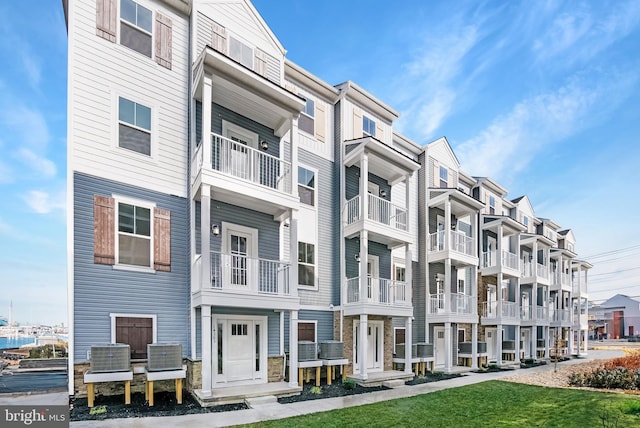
{"x": 110, "y": 358}
{"x": 307, "y": 351}
{"x": 167, "y": 356}
{"x": 400, "y": 350}
{"x": 424, "y": 350}
{"x": 331, "y": 350}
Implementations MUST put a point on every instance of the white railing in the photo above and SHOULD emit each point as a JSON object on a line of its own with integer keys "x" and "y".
{"x": 461, "y": 243}
{"x": 242, "y": 273}
{"x": 565, "y": 278}
{"x": 542, "y": 313}
{"x": 437, "y": 303}
{"x": 510, "y": 260}
{"x": 526, "y": 313}
{"x": 244, "y": 162}
{"x": 436, "y": 241}
{"x": 462, "y": 303}
{"x": 562, "y": 315}
{"x": 542, "y": 271}
{"x": 579, "y": 289}
{"x": 380, "y": 291}
{"x": 526, "y": 269}
{"x": 509, "y": 310}
{"x": 490, "y": 309}
{"x": 554, "y": 278}
{"x": 380, "y": 210}
{"x": 489, "y": 259}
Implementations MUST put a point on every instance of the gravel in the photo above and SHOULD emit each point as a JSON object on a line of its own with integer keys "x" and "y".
{"x": 553, "y": 379}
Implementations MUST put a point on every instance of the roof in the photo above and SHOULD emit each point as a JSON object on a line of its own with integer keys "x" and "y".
{"x": 356, "y": 93}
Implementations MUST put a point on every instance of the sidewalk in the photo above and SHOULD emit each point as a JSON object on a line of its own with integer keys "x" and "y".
{"x": 279, "y": 411}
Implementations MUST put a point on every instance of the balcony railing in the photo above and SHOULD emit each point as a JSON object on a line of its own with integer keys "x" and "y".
{"x": 542, "y": 313}
{"x": 526, "y": 313}
{"x": 562, "y": 315}
{"x": 236, "y": 272}
{"x": 489, "y": 259}
{"x": 509, "y": 309}
{"x": 490, "y": 309}
{"x": 379, "y": 291}
{"x": 460, "y": 303}
{"x": 241, "y": 161}
{"x": 510, "y": 260}
{"x": 526, "y": 269}
{"x": 458, "y": 242}
{"x": 542, "y": 271}
{"x": 380, "y": 210}
{"x": 565, "y": 278}
{"x": 579, "y": 289}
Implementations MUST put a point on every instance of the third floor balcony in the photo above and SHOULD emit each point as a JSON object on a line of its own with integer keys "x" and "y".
{"x": 385, "y": 221}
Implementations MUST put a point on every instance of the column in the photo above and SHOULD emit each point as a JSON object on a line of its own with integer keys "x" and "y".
{"x": 546, "y": 341}
{"x": 362, "y": 268}
{"x": 293, "y": 348}
{"x": 408, "y": 275}
{"x": 364, "y": 184}
{"x": 206, "y": 121}
{"x": 447, "y": 285}
{"x": 362, "y": 344}
{"x": 499, "y": 344}
{"x": 205, "y": 234}
{"x": 407, "y": 198}
{"x": 516, "y": 358}
{"x": 408, "y": 340}
{"x": 499, "y": 295}
{"x": 293, "y": 250}
{"x": 293, "y": 154}
{"x": 474, "y": 346}
{"x": 534, "y": 341}
{"x": 205, "y": 320}
{"x": 448, "y": 351}
{"x": 447, "y": 224}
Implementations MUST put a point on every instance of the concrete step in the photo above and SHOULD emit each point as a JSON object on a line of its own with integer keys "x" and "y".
{"x": 253, "y": 402}
{"x": 394, "y": 383}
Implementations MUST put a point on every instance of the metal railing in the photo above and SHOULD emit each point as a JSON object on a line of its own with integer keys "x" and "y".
{"x": 379, "y": 291}
{"x": 460, "y": 303}
{"x": 565, "y": 278}
{"x": 489, "y": 259}
{"x": 461, "y": 243}
{"x": 489, "y": 309}
{"x": 436, "y": 241}
{"x": 510, "y": 260}
{"x": 379, "y": 210}
{"x": 562, "y": 315}
{"x": 242, "y": 273}
{"x": 437, "y": 303}
{"x": 509, "y": 309}
{"x": 542, "y": 313}
{"x": 526, "y": 269}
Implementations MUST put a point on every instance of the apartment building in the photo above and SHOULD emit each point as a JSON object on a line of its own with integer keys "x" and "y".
{"x": 224, "y": 198}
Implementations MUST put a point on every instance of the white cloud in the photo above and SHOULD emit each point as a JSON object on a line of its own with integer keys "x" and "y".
{"x": 39, "y": 164}
{"x": 29, "y": 127}
{"x": 42, "y": 202}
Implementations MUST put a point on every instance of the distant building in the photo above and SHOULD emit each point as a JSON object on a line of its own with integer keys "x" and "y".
{"x": 615, "y": 318}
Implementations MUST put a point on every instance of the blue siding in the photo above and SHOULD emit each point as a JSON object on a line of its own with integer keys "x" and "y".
{"x": 324, "y": 326}
{"x": 101, "y": 289}
{"x": 352, "y": 247}
{"x": 352, "y": 183}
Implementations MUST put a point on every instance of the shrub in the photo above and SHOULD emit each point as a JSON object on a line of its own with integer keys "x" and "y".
{"x": 619, "y": 377}
{"x": 348, "y": 383}
{"x": 631, "y": 362}
{"x": 316, "y": 390}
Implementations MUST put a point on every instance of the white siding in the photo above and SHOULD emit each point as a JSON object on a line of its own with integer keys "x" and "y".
{"x": 350, "y": 126}
{"x": 99, "y": 72}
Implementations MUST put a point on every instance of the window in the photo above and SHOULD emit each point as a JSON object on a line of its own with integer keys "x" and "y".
{"x": 137, "y": 331}
{"x": 492, "y": 205}
{"x": 306, "y": 186}
{"x": 239, "y": 330}
{"x": 241, "y": 52}
{"x": 368, "y": 126}
{"x": 307, "y": 331}
{"x": 136, "y": 27}
{"x": 525, "y": 221}
{"x": 444, "y": 176}
{"x": 134, "y": 235}
{"x": 306, "y": 264}
{"x": 134, "y": 126}
{"x": 306, "y": 120}
{"x": 401, "y": 273}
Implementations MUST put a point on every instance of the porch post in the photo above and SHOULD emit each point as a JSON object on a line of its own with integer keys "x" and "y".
{"x": 534, "y": 341}
{"x": 362, "y": 344}
{"x": 206, "y": 121}
{"x": 448, "y": 351}
{"x": 546, "y": 342}
{"x": 293, "y": 251}
{"x": 408, "y": 341}
{"x": 293, "y": 349}
{"x": 516, "y": 358}
{"x": 407, "y": 198}
{"x": 408, "y": 273}
{"x": 364, "y": 184}
{"x": 474, "y": 346}
{"x": 362, "y": 268}
{"x": 205, "y": 234}
{"x": 499, "y": 344}
{"x": 447, "y": 286}
{"x": 205, "y": 318}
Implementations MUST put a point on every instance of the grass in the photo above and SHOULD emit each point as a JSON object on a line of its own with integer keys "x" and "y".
{"x": 486, "y": 404}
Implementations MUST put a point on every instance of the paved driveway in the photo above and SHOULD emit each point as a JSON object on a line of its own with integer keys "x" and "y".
{"x": 33, "y": 382}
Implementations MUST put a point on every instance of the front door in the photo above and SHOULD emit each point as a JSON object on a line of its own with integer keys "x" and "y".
{"x": 526, "y": 310}
{"x": 490, "y": 334}
{"x": 526, "y": 342}
{"x": 240, "y": 350}
{"x": 240, "y": 162}
{"x": 439, "y": 345}
{"x": 239, "y": 263}
{"x": 239, "y": 251}
{"x": 375, "y": 345}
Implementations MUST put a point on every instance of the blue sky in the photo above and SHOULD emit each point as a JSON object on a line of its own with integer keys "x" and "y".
{"x": 542, "y": 96}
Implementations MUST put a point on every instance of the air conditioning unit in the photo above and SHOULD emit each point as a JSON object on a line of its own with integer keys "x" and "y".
{"x": 307, "y": 351}
{"x": 424, "y": 350}
{"x": 464, "y": 347}
{"x": 114, "y": 357}
{"x": 164, "y": 356}
{"x": 508, "y": 345}
{"x": 540, "y": 343}
{"x": 400, "y": 350}
{"x": 482, "y": 347}
{"x": 331, "y": 350}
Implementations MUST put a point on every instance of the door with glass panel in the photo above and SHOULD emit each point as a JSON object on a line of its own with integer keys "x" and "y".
{"x": 239, "y": 262}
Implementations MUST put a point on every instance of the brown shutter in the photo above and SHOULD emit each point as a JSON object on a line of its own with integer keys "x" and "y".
{"x": 357, "y": 123}
{"x": 161, "y": 240}
{"x": 219, "y": 37}
{"x": 306, "y": 331}
{"x": 104, "y": 230}
{"x": 135, "y": 332}
{"x": 321, "y": 121}
{"x": 106, "y": 19}
{"x": 260, "y": 63}
{"x": 163, "y": 39}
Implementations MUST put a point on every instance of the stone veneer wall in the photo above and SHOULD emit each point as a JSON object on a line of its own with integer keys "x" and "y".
{"x": 483, "y": 285}
{"x": 348, "y": 339}
{"x": 275, "y": 369}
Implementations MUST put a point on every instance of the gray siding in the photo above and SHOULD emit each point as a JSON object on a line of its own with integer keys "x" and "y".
{"x": 100, "y": 289}
{"x": 352, "y": 247}
{"x": 324, "y": 326}
{"x": 328, "y": 268}
{"x": 352, "y": 183}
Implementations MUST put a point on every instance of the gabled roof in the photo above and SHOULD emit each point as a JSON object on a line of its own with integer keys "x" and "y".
{"x": 524, "y": 199}
{"x": 492, "y": 185}
{"x": 552, "y": 224}
{"x": 568, "y": 234}
{"x": 313, "y": 82}
{"x": 351, "y": 90}
{"x": 443, "y": 143}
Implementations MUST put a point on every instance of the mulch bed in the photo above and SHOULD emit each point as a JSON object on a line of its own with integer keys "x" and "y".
{"x": 432, "y": 377}
{"x": 165, "y": 404}
{"x": 336, "y": 389}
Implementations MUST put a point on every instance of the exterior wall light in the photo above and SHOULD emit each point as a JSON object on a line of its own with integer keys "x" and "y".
{"x": 264, "y": 145}
{"x": 215, "y": 230}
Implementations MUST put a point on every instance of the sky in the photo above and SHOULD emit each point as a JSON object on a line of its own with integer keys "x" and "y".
{"x": 543, "y": 96}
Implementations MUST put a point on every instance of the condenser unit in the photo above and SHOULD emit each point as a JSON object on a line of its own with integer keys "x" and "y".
{"x": 482, "y": 347}
{"x": 400, "y": 350}
{"x": 167, "y": 356}
{"x": 307, "y": 351}
{"x": 424, "y": 350}
{"x": 115, "y": 357}
{"x": 540, "y": 343}
{"x": 464, "y": 347}
{"x": 508, "y": 345}
{"x": 331, "y": 350}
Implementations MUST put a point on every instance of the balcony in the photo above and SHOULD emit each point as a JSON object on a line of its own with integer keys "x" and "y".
{"x": 561, "y": 317}
{"x": 386, "y": 222}
{"x": 510, "y": 311}
{"x": 526, "y": 313}
{"x": 508, "y": 264}
{"x": 454, "y": 245}
{"x": 243, "y": 175}
{"x": 579, "y": 289}
{"x": 535, "y": 272}
{"x": 384, "y": 297}
{"x": 491, "y": 314}
{"x": 444, "y": 307}
{"x": 241, "y": 281}
{"x": 542, "y": 315}
{"x": 542, "y": 271}
{"x": 565, "y": 279}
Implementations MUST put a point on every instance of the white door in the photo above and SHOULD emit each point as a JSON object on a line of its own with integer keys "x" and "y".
{"x": 373, "y": 279}
{"x": 439, "y": 345}
{"x": 375, "y": 345}
{"x": 491, "y": 344}
{"x": 239, "y": 251}
{"x": 440, "y": 235}
{"x": 239, "y": 260}
{"x": 240, "y": 350}
{"x": 526, "y": 342}
{"x": 492, "y": 246}
{"x": 440, "y": 295}
{"x": 239, "y": 157}
{"x": 526, "y": 310}
{"x": 492, "y": 301}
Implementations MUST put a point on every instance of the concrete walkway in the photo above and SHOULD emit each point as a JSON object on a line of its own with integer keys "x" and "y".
{"x": 279, "y": 411}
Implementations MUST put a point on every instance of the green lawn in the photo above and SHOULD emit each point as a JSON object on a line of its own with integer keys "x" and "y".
{"x": 487, "y": 404}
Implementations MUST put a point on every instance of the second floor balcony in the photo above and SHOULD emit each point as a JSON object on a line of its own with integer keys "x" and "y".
{"x": 491, "y": 312}
{"x": 534, "y": 272}
{"x": 561, "y": 317}
{"x": 508, "y": 263}
{"x": 444, "y": 306}
{"x": 452, "y": 244}
{"x": 378, "y": 296}
{"x": 386, "y": 221}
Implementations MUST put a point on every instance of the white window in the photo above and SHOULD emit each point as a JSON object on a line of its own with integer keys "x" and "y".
{"x": 525, "y": 221}
{"x": 492, "y": 205}
{"x": 241, "y": 52}
{"x": 306, "y": 120}
{"x": 400, "y": 273}
{"x": 134, "y": 235}
{"x": 136, "y": 27}
{"x": 306, "y": 186}
{"x": 444, "y": 176}
{"x": 134, "y": 126}
{"x": 306, "y": 264}
{"x": 368, "y": 126}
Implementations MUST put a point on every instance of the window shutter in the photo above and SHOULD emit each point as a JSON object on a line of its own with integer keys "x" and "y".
{"x": 321, "y": 121}
{"x": 163, "y": 40}
{"x": 137, "y": 333}
{"x": 260, "y": 62}
{"x": 357, "y": 122}
{"x": 379, "y": 131}
{"x": 106, "y": 19}
{"x": 161, "y": 240}
{"x": 219, "y": 38}
{"x": 104, "y": 230}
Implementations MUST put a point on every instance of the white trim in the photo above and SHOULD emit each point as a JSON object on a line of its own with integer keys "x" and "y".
{"x": 370, "y": 324}
{"x": 327, "y": 308}
{"x": 251, "y": 137}
{"x": 116, "y": 94}
{"x": 394, "y": 337}
{"x": 228, "y": 228}
{"x": 464, "y": 334}
{"x": 315, "y": 326}
{"x": 315, "y": 286}
{"x": 138, "y": 203}
{"x": 314, "y": 188}
{"x": 154, "y": 324}
{"x": 152, "y": 33}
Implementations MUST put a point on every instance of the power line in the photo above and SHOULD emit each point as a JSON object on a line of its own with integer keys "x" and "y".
{"x": 613, "y": 289}
{"x": 608, "y": 253}
{"x": 611, "y": 273}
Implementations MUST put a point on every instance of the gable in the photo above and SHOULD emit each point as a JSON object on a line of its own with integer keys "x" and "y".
{"x": 442, "y": 152}
{"x": 525, "y": 207}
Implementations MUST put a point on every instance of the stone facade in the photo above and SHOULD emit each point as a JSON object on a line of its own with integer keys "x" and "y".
{"x": 275, "y": 369}
{"x": 348, "y": 339}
